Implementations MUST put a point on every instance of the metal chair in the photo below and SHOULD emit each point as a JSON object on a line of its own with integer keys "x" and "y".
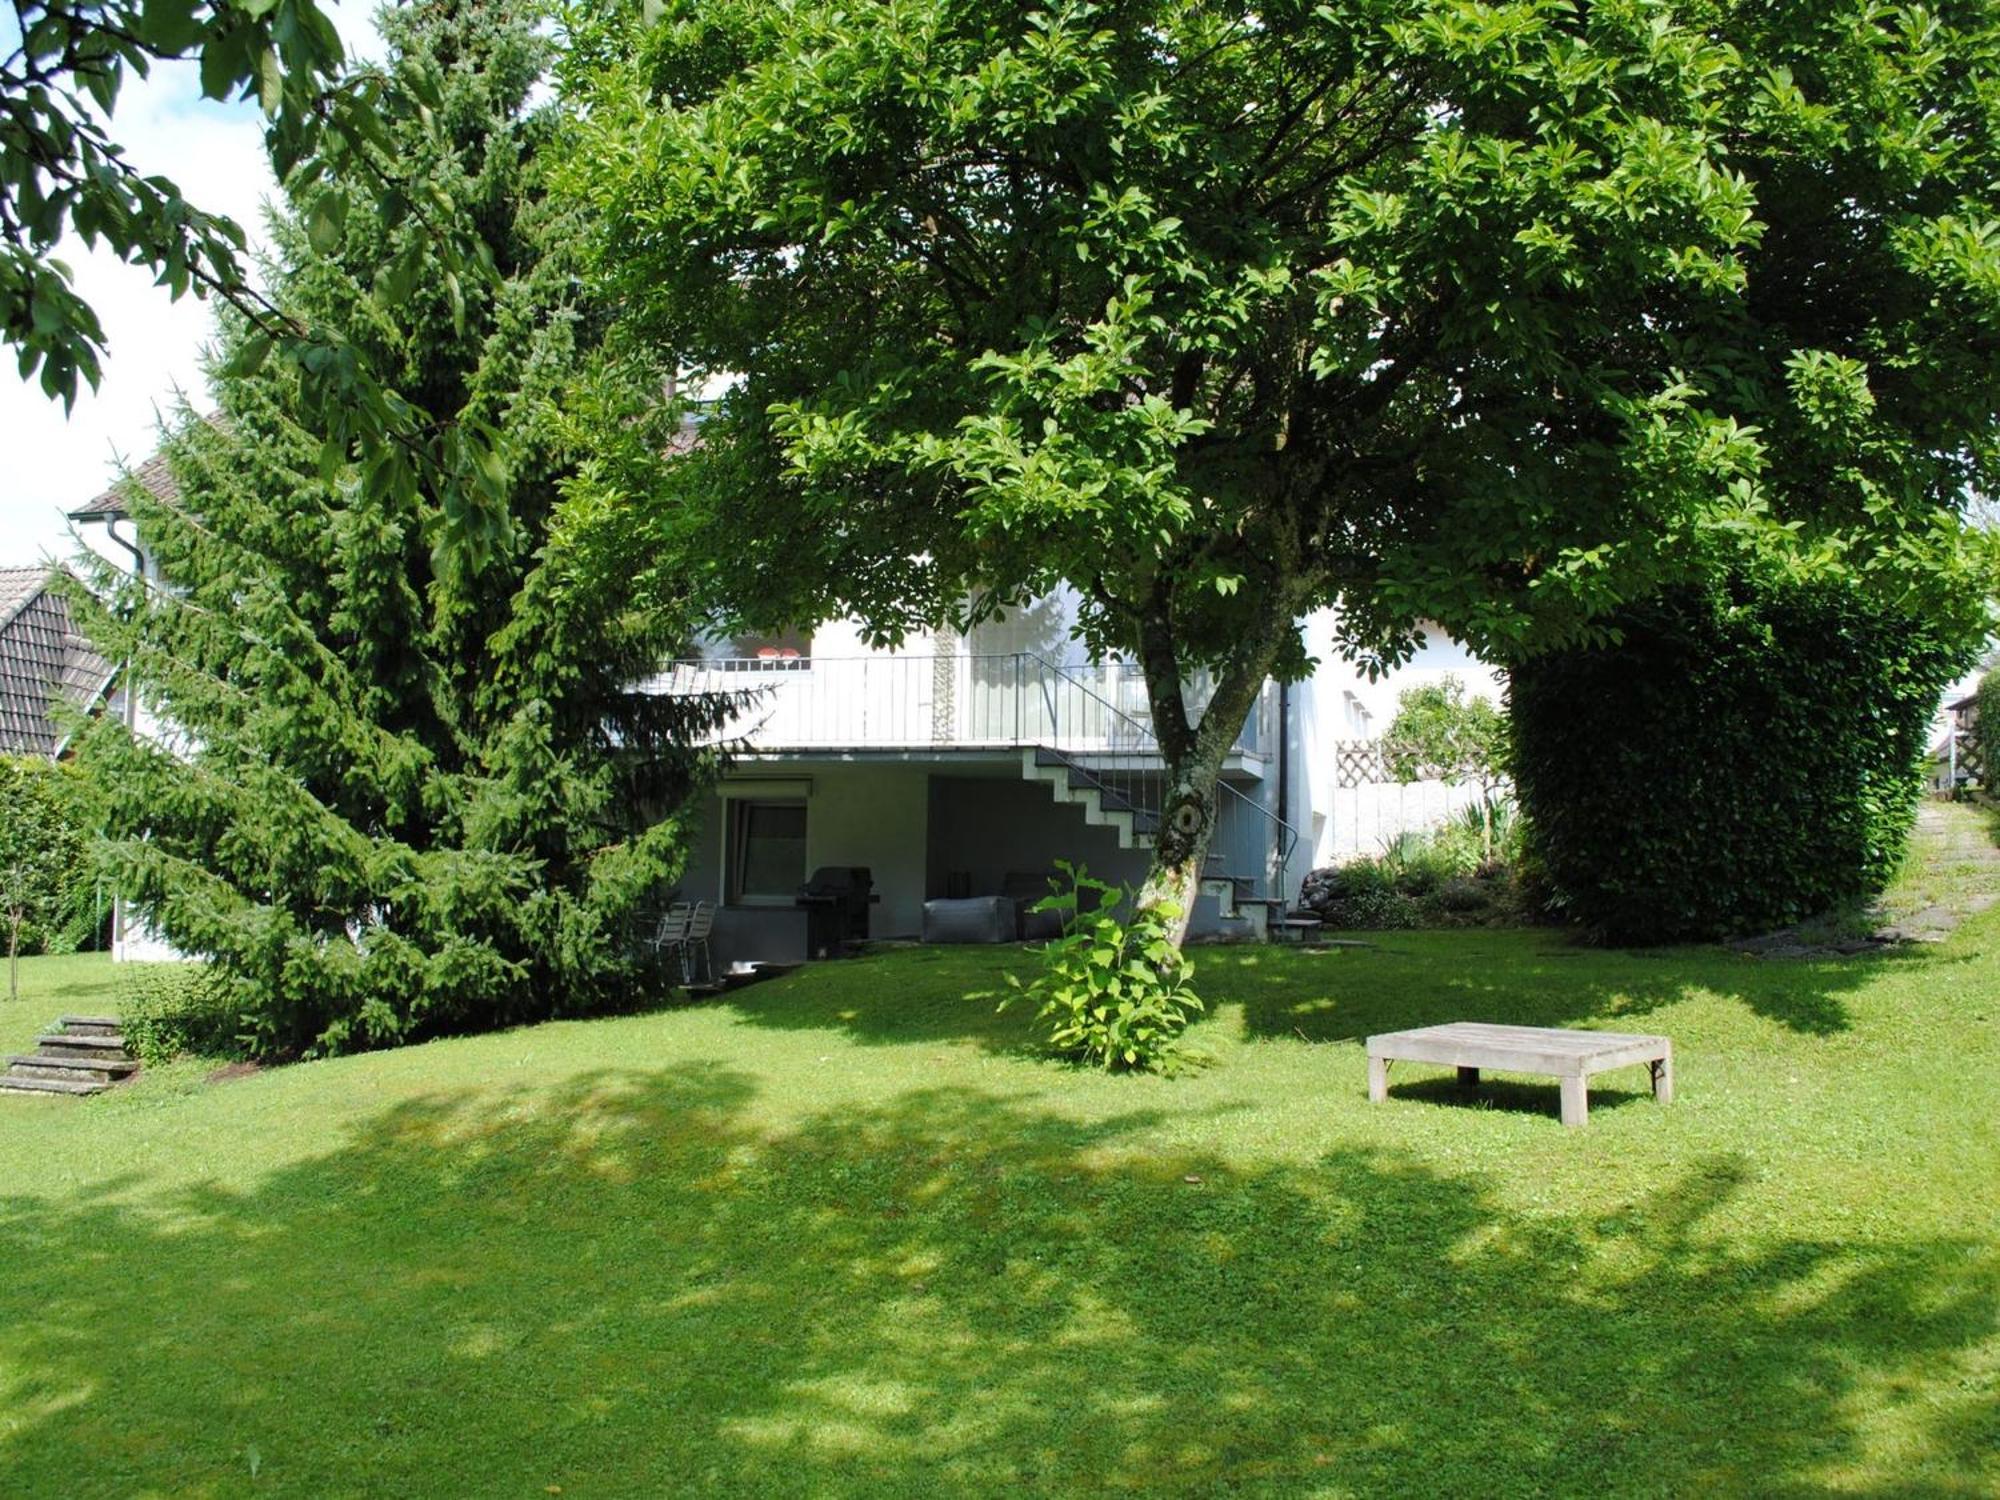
{"x": 701, "y": 922}
{"x": 670, "y": 939}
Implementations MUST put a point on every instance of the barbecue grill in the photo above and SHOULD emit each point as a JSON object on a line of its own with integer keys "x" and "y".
{"x": 836, "y": 901}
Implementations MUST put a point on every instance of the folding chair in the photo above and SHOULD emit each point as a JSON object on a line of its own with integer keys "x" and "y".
{"x": 670, "y": 939}
{"x": 701, "y": 921}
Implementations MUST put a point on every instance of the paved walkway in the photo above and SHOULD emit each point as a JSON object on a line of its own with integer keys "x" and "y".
{"x": 1955, "y": 874}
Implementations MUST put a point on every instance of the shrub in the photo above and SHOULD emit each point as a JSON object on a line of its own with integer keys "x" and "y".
{"x": 168, "y": 1009}
{"x": 45, "y": 874}
{"x": 1748, "y": 756}
{"x": 1114, "y": 994}
{"x": 1976, "y": 752}
{"x": 1438, "y": 877}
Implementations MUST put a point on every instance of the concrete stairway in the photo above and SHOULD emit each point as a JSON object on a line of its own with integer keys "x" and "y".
{"x": 1103, "y": 807}
{"x": 84, "y": 1055}
{"x": 1072, "y": 780}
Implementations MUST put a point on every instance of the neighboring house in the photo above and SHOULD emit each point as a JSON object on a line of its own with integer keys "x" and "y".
{"x": 968, "y": 765}
{"x": 131, "y": 939}
{"x": 1948, "y": 771}
{"x": 44, "y": 663}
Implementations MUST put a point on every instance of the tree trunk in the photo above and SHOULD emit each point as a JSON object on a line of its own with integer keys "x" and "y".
{"x": 1194, "y": 757}
{"x": 1187, "y": 823}
{"x": 13, "y": 956}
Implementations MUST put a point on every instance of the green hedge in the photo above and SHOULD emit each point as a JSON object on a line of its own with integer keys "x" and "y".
{"x": 1749, "y": 756}
{"x": 48, "y": 819}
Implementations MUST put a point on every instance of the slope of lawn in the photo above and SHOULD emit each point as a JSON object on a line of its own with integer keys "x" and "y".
{"x": 843, "y": 1236}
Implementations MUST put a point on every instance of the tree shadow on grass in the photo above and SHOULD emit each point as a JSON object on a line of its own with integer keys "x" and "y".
{"x": 1402, "y": 980}
{"x": 1525, "y": 979}
{"x": 932, "y": 993}
{"x": 631, "y": 1287}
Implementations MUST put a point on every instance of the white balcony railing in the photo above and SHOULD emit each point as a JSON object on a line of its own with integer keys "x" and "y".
{"x": 891, "y": 702}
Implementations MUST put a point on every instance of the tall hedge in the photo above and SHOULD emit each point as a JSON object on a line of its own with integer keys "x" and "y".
{"x": 48, "y": 891}
{"x": 1748, "y": 756}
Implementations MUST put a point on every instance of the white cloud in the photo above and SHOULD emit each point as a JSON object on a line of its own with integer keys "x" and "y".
{"x": 215, "y": 153}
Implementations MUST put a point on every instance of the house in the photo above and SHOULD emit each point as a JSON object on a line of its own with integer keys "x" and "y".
{"x": 967, "y": 765}
{"x": 45, "y": 662}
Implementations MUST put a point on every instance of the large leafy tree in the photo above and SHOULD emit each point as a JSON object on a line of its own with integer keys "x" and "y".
{"x": 63, "y": 169}
{"x": 1496, "y": 314}
{"x": 406, "y": 784}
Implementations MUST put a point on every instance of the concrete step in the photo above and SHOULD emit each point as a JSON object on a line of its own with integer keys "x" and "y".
{"x": 89, "y": 1025}
{"x": 13, "y": 1083}
{"x": 81, "y": 1046}
{"x": 42, "y": 1064}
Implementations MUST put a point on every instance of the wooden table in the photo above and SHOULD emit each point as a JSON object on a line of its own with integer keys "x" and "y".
{"x": 1571, "y": 1057}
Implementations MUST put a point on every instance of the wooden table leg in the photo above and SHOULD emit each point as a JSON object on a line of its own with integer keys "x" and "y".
{"x": 1663, "y": 1078}
{"x": 1576, "y": 1100}
{"x": 1468, "y": 1078}
{"x": 1378, "y": 1079}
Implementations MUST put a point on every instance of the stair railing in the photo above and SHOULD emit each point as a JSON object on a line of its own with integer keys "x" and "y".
{"x": 1118, "y": 755}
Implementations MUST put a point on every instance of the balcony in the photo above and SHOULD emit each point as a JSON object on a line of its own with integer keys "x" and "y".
{"x": 912, "y": 704}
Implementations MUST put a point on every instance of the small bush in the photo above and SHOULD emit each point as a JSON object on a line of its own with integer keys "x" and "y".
{"x": 1441, "y": 877}
{"x": 1114, "y": 994}
{"x": 1746, "y": 757}
{"x": 170, "y": 1009}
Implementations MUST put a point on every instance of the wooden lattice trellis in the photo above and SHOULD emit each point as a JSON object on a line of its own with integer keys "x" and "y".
{"x": 1359, "y": 763}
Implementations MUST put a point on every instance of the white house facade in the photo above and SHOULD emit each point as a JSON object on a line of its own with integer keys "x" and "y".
{"x": 965, "y": 766}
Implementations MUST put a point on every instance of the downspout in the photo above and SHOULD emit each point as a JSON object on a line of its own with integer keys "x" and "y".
{"x": 131, "y": 715}
{"x": 139, "y": 575}
{"x": 1284, "y": 783}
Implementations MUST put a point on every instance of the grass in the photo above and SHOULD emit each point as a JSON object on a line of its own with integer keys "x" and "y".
{"x": 845, "y": 1236}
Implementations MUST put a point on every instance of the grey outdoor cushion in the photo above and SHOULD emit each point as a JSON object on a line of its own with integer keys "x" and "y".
{"x": 1024, "y": 890}
{"x": 977, "y": 919}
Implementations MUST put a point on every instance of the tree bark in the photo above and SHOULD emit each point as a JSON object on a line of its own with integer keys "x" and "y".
{"x": 1194, "y": 755}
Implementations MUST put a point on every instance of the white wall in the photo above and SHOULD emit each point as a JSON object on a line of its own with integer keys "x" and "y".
{"x": 859, "y": 814}
{"x": 1338, "y": 702}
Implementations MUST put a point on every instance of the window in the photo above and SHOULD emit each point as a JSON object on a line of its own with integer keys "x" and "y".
{"x": 1358, "y": 717}
{"x": 767, "y": 851}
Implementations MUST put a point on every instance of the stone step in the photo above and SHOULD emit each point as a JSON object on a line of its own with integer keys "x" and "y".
{"x": 14, "y": 1083}
{"x": 81, "y": 1045}
{"x": 69, "y": 1026}
{"x": 42, "y": 1064}
{"x": 110, "y": 1022}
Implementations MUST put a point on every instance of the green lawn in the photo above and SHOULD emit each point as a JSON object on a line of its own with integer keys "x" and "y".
{"x": 842, "y": 1236}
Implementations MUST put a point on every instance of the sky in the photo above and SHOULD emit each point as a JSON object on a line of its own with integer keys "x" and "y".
{"x": 215, "y": 153}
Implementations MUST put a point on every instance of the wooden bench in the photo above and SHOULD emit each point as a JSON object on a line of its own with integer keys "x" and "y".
{"x": 1569, "y": 1056}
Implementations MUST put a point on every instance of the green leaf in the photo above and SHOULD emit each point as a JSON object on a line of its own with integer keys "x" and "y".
{"x": 248, "y": 357}
{"x": 326, "y": 222}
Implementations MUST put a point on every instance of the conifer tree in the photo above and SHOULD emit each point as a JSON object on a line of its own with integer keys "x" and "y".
{"x": 408, "y": 784}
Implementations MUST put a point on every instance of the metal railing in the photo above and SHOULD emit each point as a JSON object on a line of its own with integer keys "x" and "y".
{"x": 915, "y": 702}
{"x": 1132, "y": 780}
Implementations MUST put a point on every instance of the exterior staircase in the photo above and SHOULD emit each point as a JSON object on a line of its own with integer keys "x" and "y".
{"x": 83, "y": 1055}
{"x": 1120, "y": 792}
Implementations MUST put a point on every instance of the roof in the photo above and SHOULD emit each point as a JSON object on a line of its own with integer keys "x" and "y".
{"x": 154, "y": 474}
{"x": 42, "y": 658}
